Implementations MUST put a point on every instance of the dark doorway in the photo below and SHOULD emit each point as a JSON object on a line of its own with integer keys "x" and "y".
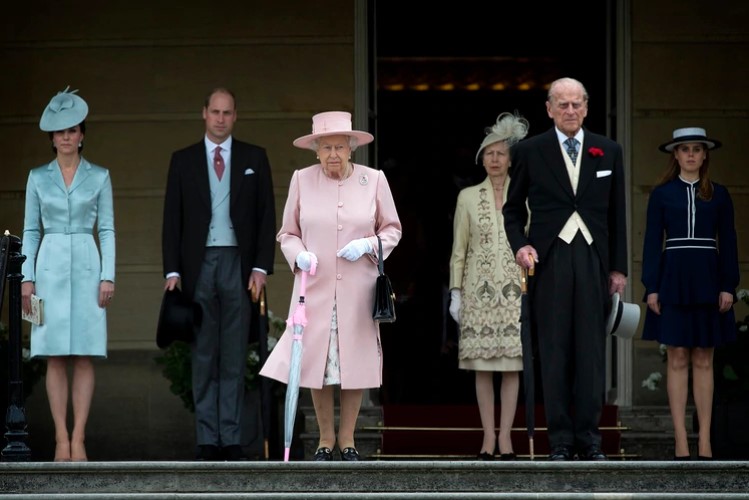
{"x": 443, "y": 75}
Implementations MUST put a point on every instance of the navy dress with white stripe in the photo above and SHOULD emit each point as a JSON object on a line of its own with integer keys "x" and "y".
{"x": 690, "y": 255}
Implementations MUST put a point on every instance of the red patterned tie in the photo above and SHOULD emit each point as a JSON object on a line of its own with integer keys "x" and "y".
{"x": 218, "y": 163}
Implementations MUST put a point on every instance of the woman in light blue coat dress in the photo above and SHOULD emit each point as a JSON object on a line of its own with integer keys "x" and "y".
{"x": 66, "y": 201}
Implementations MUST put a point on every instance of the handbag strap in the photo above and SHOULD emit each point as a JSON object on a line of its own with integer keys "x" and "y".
{"x": 380, "y": 263}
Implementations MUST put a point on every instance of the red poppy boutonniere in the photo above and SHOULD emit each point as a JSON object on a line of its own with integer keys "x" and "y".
{"x": 595, "y": 152}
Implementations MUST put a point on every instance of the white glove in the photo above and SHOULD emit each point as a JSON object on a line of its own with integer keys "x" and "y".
{"x": 305, "y": 259}
{"x": 355, "y": 249}
{"x": 455, "y": 304}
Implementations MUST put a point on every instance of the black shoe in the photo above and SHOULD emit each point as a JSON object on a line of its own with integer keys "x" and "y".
{"x": 323, "y": 455}
{"x": 593, "y": 454}
{"x": 682, "y": 459}
{"x": 350, "y": 454}
{"x": 486, "y": 457}
{"x": 233, "y": 453}
{"x": 560, "y": 454}
{"x": 704, "y": 459}
{"x": 507, "y": 457}
{"x": 208, "y": 453}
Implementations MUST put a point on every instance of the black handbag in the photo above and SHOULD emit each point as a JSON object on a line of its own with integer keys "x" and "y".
{"x": 384, "y": 300}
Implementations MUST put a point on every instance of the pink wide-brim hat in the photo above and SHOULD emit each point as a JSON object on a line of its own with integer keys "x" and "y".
{"x": 332, "y": 123}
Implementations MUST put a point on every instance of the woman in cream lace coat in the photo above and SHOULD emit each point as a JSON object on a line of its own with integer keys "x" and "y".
{"x": 485, "y": 289}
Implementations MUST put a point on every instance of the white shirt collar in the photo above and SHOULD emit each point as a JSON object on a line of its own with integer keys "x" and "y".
{"x": 562, "y": 137}
{"x": 210, "y": 145}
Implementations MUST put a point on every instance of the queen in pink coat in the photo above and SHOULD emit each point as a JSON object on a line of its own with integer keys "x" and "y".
{"x": 334, "y": 212}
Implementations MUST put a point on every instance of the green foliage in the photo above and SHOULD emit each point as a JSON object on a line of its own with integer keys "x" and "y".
{"x": 178, "y": 370}
{"x": 729, "y": 373}
{"x": 177, "y": 366}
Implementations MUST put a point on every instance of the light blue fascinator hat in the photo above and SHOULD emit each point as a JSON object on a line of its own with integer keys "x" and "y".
{"x": 65, "y": 110}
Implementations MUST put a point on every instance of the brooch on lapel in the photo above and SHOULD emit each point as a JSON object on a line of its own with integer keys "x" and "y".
{"x": 364, "y": 180}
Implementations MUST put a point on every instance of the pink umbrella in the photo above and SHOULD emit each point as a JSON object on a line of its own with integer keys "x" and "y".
{"x": 298, "y": 320}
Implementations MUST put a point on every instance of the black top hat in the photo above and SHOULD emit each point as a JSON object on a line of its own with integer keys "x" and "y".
{"x": 178, "y": 318}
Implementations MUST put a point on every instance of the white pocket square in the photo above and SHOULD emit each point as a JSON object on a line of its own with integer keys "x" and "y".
{"x": 249, "y": 171}
{"x": 603, "y": 173}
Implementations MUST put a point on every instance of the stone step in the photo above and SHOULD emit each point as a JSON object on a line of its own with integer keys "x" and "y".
{"x": 651, "y": 435}
{"x": 375, "y": 480}
{"x": 384, "y": 496}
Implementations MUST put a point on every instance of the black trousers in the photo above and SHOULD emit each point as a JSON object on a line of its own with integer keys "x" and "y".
{"x": 569, "y": 296}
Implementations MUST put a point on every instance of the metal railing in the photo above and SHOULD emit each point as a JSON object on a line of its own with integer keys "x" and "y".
{"x": 11, "y": 260}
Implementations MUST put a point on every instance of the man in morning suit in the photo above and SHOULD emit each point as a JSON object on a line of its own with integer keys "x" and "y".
{"x": 573, "y": 181}
{"x": 219, "y": 241}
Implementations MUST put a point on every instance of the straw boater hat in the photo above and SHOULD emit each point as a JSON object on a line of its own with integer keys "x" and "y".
{"x": 332, "y": 123}
{"x": 509, "y": 127}
{"x": 686, "y": 135}
{"x": 65, "y": 110}
{"x": 624, "y": 318}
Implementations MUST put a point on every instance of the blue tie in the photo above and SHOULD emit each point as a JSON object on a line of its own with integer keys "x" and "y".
{"x": 571, "y": 144}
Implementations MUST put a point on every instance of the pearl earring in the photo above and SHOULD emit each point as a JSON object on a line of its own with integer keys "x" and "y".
{"x": 80, "y": 144}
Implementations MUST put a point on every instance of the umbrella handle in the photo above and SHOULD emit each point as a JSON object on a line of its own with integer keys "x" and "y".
{"x": 303, "y": 284}
{"x": 532, "y": 265}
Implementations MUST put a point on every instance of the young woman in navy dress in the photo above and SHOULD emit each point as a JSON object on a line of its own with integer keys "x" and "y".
{"x": 690, "y": 273}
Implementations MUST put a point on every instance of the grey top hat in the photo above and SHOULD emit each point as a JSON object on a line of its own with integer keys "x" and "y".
{"x": 623, "y": 319}
{"x": 687, "y": 135}
{"x": 65, "y": 110}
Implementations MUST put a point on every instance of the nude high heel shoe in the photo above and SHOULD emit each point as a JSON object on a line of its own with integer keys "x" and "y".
{"x": 78, "y": 452}
{"x": 62, "y": 452}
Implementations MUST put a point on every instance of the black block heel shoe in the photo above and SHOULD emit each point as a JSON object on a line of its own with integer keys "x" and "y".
{"x": 507, "y": 457}
{"x": 350, "y": 454}
{"x": 323, "y": 455}
{"x": 486, "y": 457}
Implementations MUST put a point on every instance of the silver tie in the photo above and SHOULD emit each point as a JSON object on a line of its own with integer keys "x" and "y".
{"x": 571, "y": 144}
